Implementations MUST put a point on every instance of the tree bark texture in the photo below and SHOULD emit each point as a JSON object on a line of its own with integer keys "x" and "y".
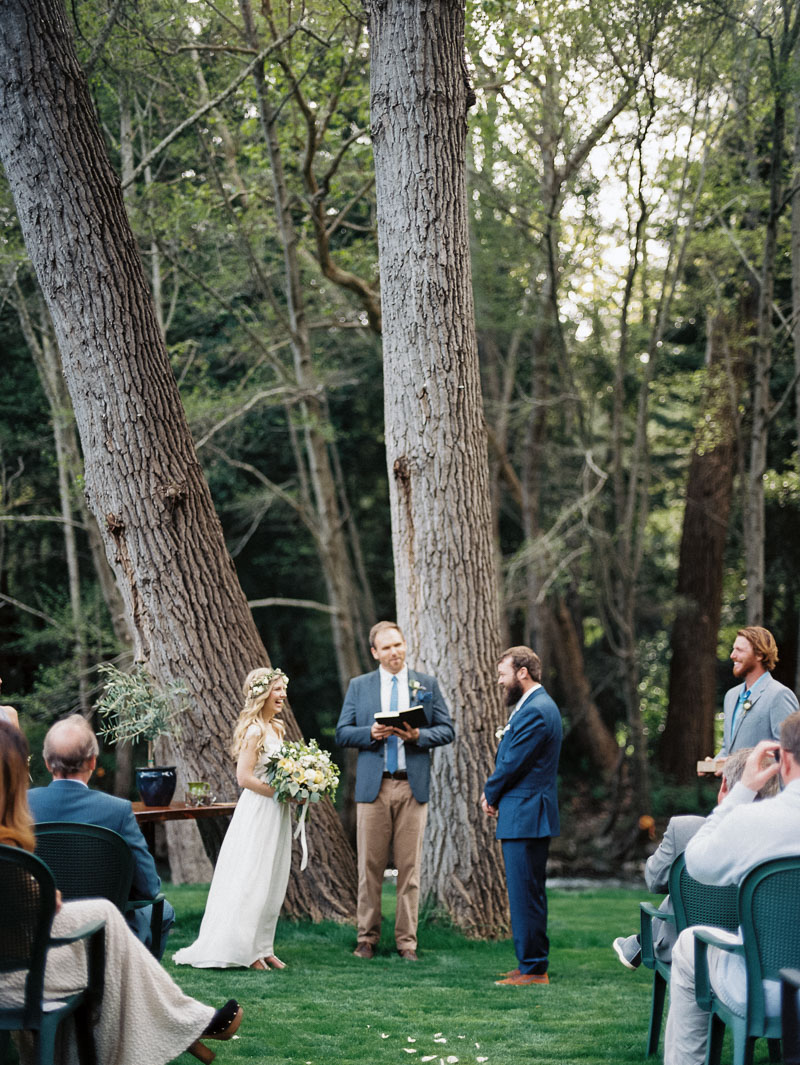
{"x": 689, "y": 731}
{"x": 143, "y": 481}
{"x": 435, "y": 435}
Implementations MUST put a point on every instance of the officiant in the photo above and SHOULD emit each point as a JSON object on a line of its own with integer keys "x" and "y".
{"x": 392, "y": 782}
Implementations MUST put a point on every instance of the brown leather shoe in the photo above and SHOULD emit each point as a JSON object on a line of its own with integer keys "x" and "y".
{"x": 409, "y": 955}
{"x": 524, "y": 979}
{"x": 365, "y": 950}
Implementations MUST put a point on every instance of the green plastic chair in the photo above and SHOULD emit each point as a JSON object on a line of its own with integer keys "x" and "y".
{"x": 27, "y": 908}
{"x": 768, "y": 901}
{"x": 91, "y": 862}
{"x": 693, "y": 903}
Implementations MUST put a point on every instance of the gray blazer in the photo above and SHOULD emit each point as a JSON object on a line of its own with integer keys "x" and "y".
{"x": 363, "y": 698}
{"x": 656, "y": 874}
{"x": 771, "y": 703}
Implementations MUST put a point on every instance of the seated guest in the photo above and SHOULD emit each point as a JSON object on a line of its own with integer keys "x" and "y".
{"x": 679, "y": 831}
{"x": 8, "y": 713}
{"x": 70, "y": 754}
{"x": 738, "y": 835}
{"x": 144, "y": 1016}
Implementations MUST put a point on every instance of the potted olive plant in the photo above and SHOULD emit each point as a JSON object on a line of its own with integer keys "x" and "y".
{"x": 132, "y": 708}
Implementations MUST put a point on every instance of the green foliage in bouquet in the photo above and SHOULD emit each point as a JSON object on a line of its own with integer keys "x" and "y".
{"x": 299, "y": 771}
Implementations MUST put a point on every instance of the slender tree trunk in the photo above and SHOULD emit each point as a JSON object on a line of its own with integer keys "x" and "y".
{"x": 143, "y": 481}
{"x": 594, "y": 738}
{"x": 435, "y": 436}
{"x": 42, "y": 349}
{"x": 331, "y": 539}
{"x": 689, "y": 731}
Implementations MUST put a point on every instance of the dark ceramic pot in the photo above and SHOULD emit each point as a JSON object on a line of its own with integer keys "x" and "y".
{"x": 156, "y": 784}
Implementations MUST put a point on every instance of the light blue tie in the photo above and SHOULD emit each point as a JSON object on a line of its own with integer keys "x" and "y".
{"x": 391, "y": 743}
{"x": 743, "y": 697}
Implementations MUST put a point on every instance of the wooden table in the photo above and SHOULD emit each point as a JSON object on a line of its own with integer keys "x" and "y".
{"x": 212, "y": 832}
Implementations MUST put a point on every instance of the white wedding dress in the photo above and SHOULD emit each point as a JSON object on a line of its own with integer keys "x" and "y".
{"x": 249, "y": 884}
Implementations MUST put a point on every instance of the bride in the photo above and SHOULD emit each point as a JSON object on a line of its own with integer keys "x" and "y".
{"x": 252, "y": 869}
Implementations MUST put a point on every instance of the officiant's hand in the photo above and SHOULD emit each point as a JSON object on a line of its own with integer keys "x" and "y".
{"x": 381, "y": 732}
{"x": 407, "y": 734}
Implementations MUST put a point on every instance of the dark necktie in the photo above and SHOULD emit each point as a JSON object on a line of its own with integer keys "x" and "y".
{"x": 391, "y": 743}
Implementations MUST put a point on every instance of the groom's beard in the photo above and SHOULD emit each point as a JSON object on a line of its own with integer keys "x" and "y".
{"x": 513, "y": 693}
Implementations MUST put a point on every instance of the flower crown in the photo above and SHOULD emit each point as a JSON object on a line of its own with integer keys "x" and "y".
{"x": 263, "y": 684}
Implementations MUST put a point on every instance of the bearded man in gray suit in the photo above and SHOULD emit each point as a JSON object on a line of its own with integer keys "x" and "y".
{"x": 755, "y": 708}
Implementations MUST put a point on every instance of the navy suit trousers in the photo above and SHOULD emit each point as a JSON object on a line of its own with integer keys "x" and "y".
{"x": 526, "y": 864}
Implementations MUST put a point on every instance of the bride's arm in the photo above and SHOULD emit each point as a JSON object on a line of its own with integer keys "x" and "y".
{"x": 244, "y": 769}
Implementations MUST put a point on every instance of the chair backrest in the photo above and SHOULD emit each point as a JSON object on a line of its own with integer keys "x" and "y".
{"x": 695, "y": 903}
{"x": 768, "y": 909}
{"x": 87, "y": 861}
{"x": 27, "y": 908}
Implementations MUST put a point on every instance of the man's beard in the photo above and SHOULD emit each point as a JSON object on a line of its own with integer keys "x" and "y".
{"x": 513, "y": 693}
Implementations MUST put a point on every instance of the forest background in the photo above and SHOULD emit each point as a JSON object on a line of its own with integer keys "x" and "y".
{"x": 634, "y": 234}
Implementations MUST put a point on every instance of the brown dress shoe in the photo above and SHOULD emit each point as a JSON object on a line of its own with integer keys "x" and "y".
{"x": 512, "y": 972}
{"x": 524, "y": 979}
{"x": 409, "y": 955}
{"x": 365, "y": 950}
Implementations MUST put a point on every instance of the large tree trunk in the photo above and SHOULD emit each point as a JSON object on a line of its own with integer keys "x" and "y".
{"x": 435, "y": 436}
{"x": 143, "y": 481}
{"x": 689, "y": 732}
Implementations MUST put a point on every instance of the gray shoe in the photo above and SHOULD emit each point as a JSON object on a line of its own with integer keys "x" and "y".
{"x": 628, "y": 950}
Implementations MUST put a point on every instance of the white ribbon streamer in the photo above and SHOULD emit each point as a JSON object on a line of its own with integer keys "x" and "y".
{"x": 301, "y": 832}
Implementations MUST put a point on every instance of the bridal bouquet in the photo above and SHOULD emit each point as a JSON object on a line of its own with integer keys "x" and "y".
{"x": 299, "y": 771}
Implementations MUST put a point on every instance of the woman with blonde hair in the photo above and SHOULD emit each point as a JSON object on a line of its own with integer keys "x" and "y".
{"x": 252, "y": 870}
{"x": 144, "y": 1016}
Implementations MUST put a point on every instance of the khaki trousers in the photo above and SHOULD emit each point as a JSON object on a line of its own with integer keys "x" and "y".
{"x": 394, "y": 820}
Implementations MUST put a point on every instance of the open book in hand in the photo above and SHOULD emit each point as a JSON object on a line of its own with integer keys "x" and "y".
{"x": 414, "y": 716}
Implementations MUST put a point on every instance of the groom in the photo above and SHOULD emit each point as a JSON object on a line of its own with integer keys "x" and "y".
{"x": 391, "y": 783}
{"x": 521, "y": 794}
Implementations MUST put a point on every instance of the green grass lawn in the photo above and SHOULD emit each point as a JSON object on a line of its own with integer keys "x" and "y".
{"x": 329, "y": 1008}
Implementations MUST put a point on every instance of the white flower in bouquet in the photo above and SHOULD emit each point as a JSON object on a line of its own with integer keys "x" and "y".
{"x": 299, "y": 771}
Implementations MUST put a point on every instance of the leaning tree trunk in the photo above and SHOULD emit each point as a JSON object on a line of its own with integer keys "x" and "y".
{"x": 435, "y": 437}
{"x": 189, "y": 615}
{"x": 689, "y": 731}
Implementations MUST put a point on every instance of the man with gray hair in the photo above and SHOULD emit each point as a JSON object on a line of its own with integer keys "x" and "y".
{"x": 677, "y": 834}
{"x": 70, "y": 754}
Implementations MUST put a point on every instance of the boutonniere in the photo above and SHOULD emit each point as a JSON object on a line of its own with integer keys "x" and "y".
{"x": 419, "y": 693}
{"x": 500, "y": 732}
{"x": 746, "y": 706}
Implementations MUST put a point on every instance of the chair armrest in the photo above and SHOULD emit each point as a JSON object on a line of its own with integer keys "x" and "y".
{"x": 139, "y": 904}
{"x": 81, "y": 933}
{"x": 647, "y": 914}
{"x": 702, "y": 980}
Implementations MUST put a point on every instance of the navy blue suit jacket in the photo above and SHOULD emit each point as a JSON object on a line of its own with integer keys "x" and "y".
{"x": 362, "y": 702}
{"x": 70, "y": 800}
{"x": 523, "y": 785}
